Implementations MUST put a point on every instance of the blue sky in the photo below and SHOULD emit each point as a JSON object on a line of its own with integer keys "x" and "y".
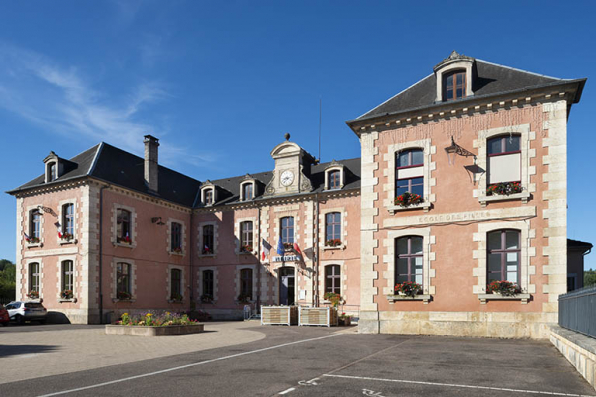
{"x": 219, "y": 83}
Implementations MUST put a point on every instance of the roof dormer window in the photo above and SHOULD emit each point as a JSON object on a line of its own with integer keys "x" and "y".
{"x": 334, "y": 176}
{"x": 208, "y": 198}
{"x": 247, "y": 191}
{"x": 454, "y": 85}
{"x": 52, "y": 171}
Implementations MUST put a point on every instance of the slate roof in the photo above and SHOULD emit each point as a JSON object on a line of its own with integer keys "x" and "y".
{"x": 576, "y": 244}
{"x": 118, "y": 167}
{"x": 491, "y": 79}
{"x": 229, "y": 188}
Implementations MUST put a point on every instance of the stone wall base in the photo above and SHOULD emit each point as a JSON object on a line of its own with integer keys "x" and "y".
{"x": 479, "y": 324}
{"x": 578, "y": 349}
{"x": 73, "y": 316}
{"x": 225, "y": 314}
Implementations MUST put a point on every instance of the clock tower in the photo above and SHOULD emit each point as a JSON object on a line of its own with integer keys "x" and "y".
{"x": 292, "y": 167}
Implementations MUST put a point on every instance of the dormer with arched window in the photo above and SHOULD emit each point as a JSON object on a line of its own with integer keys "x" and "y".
{"x": 208, "y": 193}
{"x": 334, "y": 176}
{"x": 248, "y": 188}
{"x": 53, "y": 167}
{"x": 454, "y": 77}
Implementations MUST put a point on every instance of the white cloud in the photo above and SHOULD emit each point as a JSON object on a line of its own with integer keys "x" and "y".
{"x": 60, "y": 99}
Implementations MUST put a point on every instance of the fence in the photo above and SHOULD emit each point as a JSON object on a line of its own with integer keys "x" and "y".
{"x": 577, "y": 311}
{"x": 5, "y": 301}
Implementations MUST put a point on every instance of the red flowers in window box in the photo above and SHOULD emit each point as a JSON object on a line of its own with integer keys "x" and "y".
{"x": 408, "y": 288}
{"x": 504, "y": 188}
{"x": 123, "y": 296}
{"x": 124, "y": 240}
{"x": 246, "y": 249}
{"x": 207, "y": 251}
{"x": 177, "y": 250}
{"x": 333, "y": 242}
{"x": 333, "y": 298}
{"x": 67, "y": 236}
{"x": 66, "y": 294}
{"x": 407, "y": 199}
{"x": 288, "y": 246}
{"x": 33, "y": 295}
{"x": 503, "y": 287}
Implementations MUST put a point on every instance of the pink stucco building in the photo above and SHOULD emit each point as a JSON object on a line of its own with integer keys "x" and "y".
{"x": 461, "y": 182}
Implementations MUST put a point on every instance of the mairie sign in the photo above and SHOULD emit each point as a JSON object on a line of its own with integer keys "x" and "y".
{"x": 285, "y": 258}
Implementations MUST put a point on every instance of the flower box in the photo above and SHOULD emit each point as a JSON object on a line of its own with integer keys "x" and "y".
{"x": 504, "y": 188}
{"x": 66, "y": 294}
{"x": 124, "y": 240}
{"x": 318, "y": 316}
{"x": 135, "y": 330}
{"x": 407, "y": 199}
{"x": 333, "y": 243}
{"x": 246, "y": 249}
{"x": 33, "y": 295}
{"x": 504, "y": 288}
{"x": 279, "y": 315}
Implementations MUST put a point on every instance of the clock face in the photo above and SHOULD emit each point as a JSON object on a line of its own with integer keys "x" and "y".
{"x": 286, "y": 178}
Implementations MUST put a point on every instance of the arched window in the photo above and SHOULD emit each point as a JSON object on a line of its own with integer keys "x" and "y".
{"x": 208, "y": 240}
{"x": 454, "y": 85}
{"x": 503, "y": 256}
{"x": 123, "y": 286}
{"x": 246, "y": 282}
{"x": 504, "y": 159}
{"x": 208, "y": 285}
{"x": 408, "y": 259}
{"x": 209, "y": 197}
{"x": 334, "y": 179}
{"x": 333, "y": 279}
{"x": 246, "y": 236}
{"x": 176, "y": 237}
{"x": 34, "y": 277}
{"x": 35, "y": 226}
{"x": 176, "y": 284}
{"x": 287, "y": 230}
{"x": 52, "y": 171}
{"x": 68, "y": 221}
{"x": 247, "y": 191}
{"x": 333, "y": 229}
{"x": 67, "y": 278}
{"x": 409, "y": 172}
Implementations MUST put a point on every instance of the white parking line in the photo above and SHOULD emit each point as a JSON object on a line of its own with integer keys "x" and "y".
{"x": 287, "y": 391}
{"x": 186, "y": 366}
{"x": 456, "y": 385}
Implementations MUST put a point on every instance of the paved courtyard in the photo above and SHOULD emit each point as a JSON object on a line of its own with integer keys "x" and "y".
{"x": 243, "y": 358}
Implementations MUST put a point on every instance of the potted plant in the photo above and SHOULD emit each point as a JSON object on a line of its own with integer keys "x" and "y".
{"x": 244, "y": 298}
{"x": 503, "y": 287}
{"x": 177, "y": 250}
{"x": 333, "y": 298}
{"x": 176, "y": 297}
{"x": 333, "y": 242}
{"x": 123, "y": 296}
{"x": 124, "y": 240}
{"x": 407, "y": 199}
{"x": 247, "y": 249}
{"x": 345, "y": 319}
{"x": 67, "y": 236}
{"x": 33, "y": 240}
{"x": 66, "y": 294}
{"x": 503, "y": 188}
{"x": 288, "y": 246}
{"x": 207, "y": 251}
{"x": 33, "y": 294}
{"x": 206, "y": 298}
{"x": 408, "y": 288}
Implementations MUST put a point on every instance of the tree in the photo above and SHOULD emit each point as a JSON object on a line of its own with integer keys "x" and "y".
{"x": 8, "y": 277}
{"x": 589, "y": 277}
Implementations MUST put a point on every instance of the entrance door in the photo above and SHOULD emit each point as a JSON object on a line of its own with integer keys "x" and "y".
{"x": 286, "y": 286}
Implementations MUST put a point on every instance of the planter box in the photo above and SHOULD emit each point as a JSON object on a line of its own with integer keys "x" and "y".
{"x": 279, "y": 315}
{"x": 345, "y": 321}
{"x": 154, "y": 331}
{"x": 321, "y": 316}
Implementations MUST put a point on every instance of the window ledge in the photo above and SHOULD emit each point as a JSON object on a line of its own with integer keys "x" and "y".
{"x": 246, "y": 253}
{"x": 423, "y": 297}
{"x": 74, "y": 300}
{"x": 64, "y": 242}
{"x": 496, "y": 297}
{"x": 176, "y": 253}
{"x": 207, "y": 255}
{"x": 523, "y": 196}
{"x": 124, "y": 300}
{"x": 175, "y": 301}
{"x": 117, "y": 244}
{"x": 338, "y": 247}
{"x": 33, "y": 245}
{"x": 425, "y": 205}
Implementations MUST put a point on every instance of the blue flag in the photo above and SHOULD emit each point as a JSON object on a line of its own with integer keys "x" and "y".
{"x": 280, "y": 247}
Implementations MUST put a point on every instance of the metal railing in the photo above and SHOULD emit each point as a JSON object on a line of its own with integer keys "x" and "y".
{"x": 577, "y": 311}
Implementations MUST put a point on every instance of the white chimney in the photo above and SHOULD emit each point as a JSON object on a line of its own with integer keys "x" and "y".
{"x": 151, "y": 144}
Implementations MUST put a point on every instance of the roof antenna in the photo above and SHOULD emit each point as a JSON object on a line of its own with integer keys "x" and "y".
{"x": 320, "y": 119}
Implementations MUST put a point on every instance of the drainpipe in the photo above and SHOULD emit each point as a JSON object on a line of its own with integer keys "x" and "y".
{"x": 316, "y": 275}
{"x": 191, "y": 256}
{"x": 258, "y": 259}
{"x": 101, "y": 189}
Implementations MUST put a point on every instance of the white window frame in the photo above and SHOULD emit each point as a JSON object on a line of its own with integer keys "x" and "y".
{"x": 133, "y": 225}
{"x": 182, "y": 237}
{"x": 428, "y": 166}
{"x": 204, "y": 190}
{"x": 238, "y": 234}
{"x": 339, "y": 168}
{"x": 133, "y": 279}
{"x": 323, "y": 228}
{"x": 526, "y": 251}
{"x": 465, "y": 65}
{"x": 254, "y": 189}
{"x": 28, "y": 276}
{"x": 239, "y": 269}
{"x": 28, "y": 226}
{"x": 523, "y": 130}
{"x": 215, "y": 238}
{"x": 169, "y": 283}
{"x": 200, "y": 291}
{"x": 75, "y": 274}
{"x": 61, "y": 204}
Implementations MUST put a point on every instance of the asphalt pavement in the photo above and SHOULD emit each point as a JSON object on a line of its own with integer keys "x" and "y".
{"x": 303, "y": 361}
